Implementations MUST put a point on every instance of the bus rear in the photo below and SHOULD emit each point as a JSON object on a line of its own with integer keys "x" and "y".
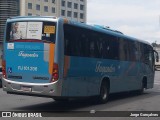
{"x": 29, "y": 65}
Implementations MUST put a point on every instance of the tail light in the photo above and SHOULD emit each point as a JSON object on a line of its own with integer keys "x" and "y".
{"x": 4, "y": 68}
{"x": 55, "y": 74}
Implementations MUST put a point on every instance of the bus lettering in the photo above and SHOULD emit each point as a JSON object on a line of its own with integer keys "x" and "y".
{"x": 26, "y": 55}
{"x": 104, "y": 69}
{"x": 27, "y": 68}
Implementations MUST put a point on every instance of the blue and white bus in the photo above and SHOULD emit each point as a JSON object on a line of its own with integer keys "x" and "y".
{"x": 58, "y": 58}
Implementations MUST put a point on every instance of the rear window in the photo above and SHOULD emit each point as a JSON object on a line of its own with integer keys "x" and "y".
{"x": 45, "y": 31}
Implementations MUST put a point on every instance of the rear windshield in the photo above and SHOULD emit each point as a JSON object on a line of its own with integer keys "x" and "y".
{"x": 45, "y": 31}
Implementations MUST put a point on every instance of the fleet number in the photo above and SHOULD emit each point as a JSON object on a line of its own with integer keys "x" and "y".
{"x": 27, "y": 68}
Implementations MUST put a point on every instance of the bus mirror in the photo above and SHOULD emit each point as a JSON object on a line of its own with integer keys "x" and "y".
{"x": 157, "y": 58}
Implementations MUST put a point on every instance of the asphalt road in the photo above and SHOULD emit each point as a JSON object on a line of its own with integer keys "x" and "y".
{"x": 149, "y": 101}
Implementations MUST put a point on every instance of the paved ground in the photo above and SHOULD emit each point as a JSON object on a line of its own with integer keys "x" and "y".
{"x": 149, "y": 101}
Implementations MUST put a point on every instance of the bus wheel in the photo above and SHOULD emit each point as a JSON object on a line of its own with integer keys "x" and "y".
{"x": 141, "y": 91}
{"x": 104, "y": 93}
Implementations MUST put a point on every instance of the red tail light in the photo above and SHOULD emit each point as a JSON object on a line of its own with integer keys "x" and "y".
{"x": 55, "y": 74}
{"x": 4, "y": 68}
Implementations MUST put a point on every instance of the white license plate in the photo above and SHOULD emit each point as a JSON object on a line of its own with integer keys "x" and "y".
{"x": 27, "y": 89}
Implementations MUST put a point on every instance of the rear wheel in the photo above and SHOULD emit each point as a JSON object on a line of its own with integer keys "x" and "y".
{"x": 141, "y": 91}
{"x": 104, "y": 93}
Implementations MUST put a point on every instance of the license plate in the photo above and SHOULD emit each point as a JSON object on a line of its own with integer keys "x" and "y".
{"x": 26, "y": 89}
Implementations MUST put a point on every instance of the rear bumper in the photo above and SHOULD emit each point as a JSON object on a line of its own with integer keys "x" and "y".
{"x": 32, "y": 89}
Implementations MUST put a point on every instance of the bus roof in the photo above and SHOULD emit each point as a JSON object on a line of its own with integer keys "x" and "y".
{"x": 106, "y": 30}
{"x": 40, "y": 18}
{"x": 97, "y": 28}
{"x": 111, "y": 32}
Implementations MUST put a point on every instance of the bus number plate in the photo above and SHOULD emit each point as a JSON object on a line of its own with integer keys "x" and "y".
{"x": 26, "y": 89}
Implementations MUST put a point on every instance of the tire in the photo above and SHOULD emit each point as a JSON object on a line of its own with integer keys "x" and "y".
{"x": 104, "y": 93}
{"x": 141, "y": 91}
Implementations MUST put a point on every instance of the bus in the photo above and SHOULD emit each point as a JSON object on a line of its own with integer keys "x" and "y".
{"x": 62, "y": 59}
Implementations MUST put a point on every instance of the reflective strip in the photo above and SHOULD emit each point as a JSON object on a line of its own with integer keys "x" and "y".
{"x": 66, "y": 65}
{"x": 51, "y": 57}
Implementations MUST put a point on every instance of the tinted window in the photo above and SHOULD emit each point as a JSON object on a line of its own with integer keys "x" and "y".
{"x": 45, "y": 31}
{"x": 89, "y": 43}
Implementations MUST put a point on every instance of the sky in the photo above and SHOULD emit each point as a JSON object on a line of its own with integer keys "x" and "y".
{"x": 136, "y": 18}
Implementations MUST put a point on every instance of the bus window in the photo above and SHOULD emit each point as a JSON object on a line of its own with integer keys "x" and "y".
{"x": 45, "y": 31}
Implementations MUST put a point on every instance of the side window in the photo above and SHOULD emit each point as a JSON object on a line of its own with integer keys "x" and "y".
{"x": 85, "y": 42}
{"x": 99, "y": 43}
{"x": 106, "y": 47}
{"x": 88, "y": 43}
{"x": 128, "y": 50}
{"x": 142, "y": 57}
{"x": 114, "y": 45}
{"x": 110, "y": 47}
{"x": 94, "y": 44}
{"x": 147, "y": 55}
{"x": 78, "y": 41}
{"x": 136, "y": 51}
{"x": 68, "y": 40}
{"x": 151, "y": 58}
{"x": 132, "y": 50}
{"x": 122, "y": 49}
{"x": 71, "y": 41}
{"x": 92, "y": 48}
{"x": 82, "y": 43}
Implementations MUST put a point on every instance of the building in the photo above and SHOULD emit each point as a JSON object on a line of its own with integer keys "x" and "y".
{"x": 8, "y": 8}
{"x": 71, "y": 9}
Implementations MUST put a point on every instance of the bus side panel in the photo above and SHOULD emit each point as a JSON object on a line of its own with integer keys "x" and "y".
{"x": 128, "y": 77}
{"x": 83, "y": 76}
{"x": 77, "y": 75}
